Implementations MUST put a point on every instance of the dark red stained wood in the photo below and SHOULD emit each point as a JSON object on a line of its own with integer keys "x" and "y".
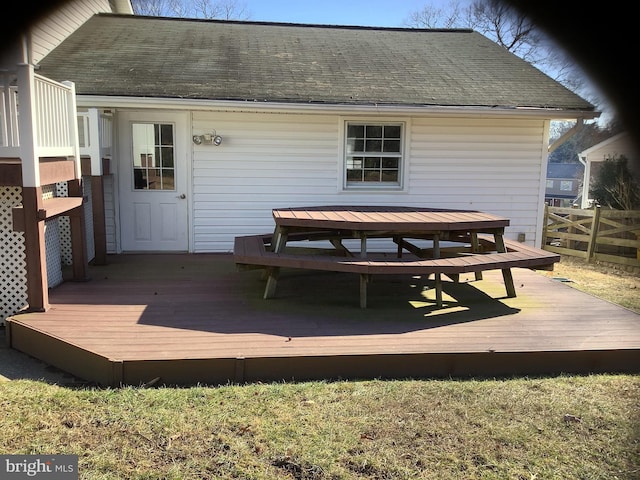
{"x": 250, "y": 250}
{"x": 195, "y": 318}
{"x": 10, "y": 172}
{"x": 368, "y": 218}
{"x": 35, "y": 250}
{"x": 54, "y": 170}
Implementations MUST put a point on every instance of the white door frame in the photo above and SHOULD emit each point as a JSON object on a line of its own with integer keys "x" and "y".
{"x": 126, "y": 193}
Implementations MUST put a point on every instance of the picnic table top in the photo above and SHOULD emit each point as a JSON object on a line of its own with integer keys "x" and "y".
{"x": 387, "y": 218}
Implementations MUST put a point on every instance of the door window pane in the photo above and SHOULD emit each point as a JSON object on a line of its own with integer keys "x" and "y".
{"x": 153, "y": 159}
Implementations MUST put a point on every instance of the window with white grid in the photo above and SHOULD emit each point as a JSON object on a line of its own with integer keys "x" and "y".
{"x": 373, "y": 155}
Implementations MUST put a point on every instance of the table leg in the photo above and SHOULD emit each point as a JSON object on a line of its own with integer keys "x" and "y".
{"x": 278, "y": 242}
{"x": 398, "y": 241}
{"x": 506, "y": 272}
{"x": 438, "y": 276}
{"x": 279, "y": 239}
{"x": 439, "y": 290}
{"x": 475, "y": 248}
{"x": 364, "y": 279}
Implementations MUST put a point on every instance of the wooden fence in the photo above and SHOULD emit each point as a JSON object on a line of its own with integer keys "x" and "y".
{"x": 596, "y": 234}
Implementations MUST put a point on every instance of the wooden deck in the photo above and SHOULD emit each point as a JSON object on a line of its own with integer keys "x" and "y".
{"x": 188, "y": 319}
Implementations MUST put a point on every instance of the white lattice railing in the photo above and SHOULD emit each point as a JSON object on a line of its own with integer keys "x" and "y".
{"x": 13, "y": 266}
{"x": 52, "y": 106}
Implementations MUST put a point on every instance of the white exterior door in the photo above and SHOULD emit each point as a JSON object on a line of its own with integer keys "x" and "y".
{"x": 153, "y": 182}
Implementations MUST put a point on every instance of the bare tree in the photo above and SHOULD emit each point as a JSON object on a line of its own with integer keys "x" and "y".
{"x": 155, "y": 8}
{"x": 178, "y": 8}
{"x": 222, "y": 9}
{"x": 431, "y": 16}
{"x": 234, "y": 10}
{"x": 614, "y": 185}
{"x": 507, "y": 27}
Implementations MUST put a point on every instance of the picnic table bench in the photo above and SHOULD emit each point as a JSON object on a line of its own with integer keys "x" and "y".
{"x": 479, "y": 251}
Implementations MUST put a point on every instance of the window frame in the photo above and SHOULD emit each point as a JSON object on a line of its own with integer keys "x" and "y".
{"x": 351, "y": 186}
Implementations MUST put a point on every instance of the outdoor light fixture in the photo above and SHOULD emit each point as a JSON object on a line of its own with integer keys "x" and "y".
{"x": 208, "y": 139}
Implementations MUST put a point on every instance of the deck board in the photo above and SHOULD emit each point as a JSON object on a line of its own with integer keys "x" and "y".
{"x": 145, "y": 315}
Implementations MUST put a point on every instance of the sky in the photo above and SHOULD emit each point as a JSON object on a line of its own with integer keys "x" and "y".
{"x": 376, "y": 13}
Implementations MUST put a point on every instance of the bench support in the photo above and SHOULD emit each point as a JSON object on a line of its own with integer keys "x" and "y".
{"x": 253, "y": 252}
{"x": 506, "y": 272}
{"x": 272, "y": 282}
{"x": 279, "y": 240}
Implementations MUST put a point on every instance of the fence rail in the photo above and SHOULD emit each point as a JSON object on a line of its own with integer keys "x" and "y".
{"x": 595, "y": 234}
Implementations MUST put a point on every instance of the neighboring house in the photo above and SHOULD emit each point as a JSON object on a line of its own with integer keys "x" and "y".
{"x": 614, "y": 147}
{"x": 215, "y": 123}
{"x": 564, "y": 182}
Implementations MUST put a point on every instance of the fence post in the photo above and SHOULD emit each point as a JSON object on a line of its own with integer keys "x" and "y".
{"x": 571, "y": 244}
{"x": 545, "y": 224}
{"x": 591, "y": 248}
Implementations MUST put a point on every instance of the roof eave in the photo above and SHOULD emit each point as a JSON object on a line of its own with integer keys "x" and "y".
{"x": 106, "y": 101}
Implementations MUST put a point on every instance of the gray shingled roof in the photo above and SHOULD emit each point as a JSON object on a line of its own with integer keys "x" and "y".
{"x": 565, "y": 170}
{"x": 255, "y": 61}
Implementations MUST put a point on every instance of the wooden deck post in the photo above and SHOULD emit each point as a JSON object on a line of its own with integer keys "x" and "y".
{"x": 35, "y": 250}
{"x": 99, "y": 222}
{"x": 78, "y": 235}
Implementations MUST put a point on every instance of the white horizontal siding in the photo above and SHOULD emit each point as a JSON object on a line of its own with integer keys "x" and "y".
{"x": 265, "y": 161}
{"x": 52, "y": 29}
{"x": 492, "y": 165}
{"x": 272, "y": 160}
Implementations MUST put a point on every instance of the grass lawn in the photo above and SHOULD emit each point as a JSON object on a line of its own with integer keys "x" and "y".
{"x": 578, "y": 427}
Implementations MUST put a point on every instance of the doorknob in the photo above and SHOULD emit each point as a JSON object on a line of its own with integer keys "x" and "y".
{"x": 182, "y": 196}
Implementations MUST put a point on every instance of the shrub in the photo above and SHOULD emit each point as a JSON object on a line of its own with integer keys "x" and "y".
{"x": 614, "y": 185}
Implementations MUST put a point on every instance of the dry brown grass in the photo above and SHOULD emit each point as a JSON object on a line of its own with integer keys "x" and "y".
{"x": 582, "y": 427}
{"x": 606, "y": 281}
